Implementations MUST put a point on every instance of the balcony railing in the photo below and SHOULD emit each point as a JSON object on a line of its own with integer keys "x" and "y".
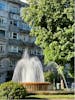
{"x": 3, "y": 25}
{"x": 2, "y": 54}
{"x": 20, "y": 42}
{"x": 23, "y": 26}
{"x": 15, "y": 42}
{"x": 14, "y": 54}
{"x": 28, "y": 43}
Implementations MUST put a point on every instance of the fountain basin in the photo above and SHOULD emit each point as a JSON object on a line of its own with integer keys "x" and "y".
{"x": 36, "y": 86}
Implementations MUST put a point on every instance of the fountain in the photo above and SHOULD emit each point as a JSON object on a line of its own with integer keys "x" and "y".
{"x": 60, "y": 71}
{"x": 29, "y": 73}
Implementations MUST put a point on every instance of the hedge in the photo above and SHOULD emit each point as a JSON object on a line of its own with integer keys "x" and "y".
{"x": 11, "y": 90}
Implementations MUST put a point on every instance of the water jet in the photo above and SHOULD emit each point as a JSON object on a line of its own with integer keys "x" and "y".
{"x": 29, "y": 73}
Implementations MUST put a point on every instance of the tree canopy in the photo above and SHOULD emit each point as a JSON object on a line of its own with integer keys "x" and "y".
{"x": 52, "y": 24}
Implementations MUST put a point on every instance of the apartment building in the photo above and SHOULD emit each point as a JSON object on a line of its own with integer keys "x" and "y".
{"x": 14, "y": 38}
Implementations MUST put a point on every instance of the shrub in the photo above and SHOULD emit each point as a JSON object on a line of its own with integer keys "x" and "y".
{"x": 49, "y": 76}
{"x": 11, "y": 90}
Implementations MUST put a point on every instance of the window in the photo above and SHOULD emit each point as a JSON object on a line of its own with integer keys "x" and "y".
{"x": 26, "y": 38}
{"x": 2, "y": 6}
{"x": 15, "y": 23}
{"x": 14, "y": 35}
{"x": 14, "y": 49}
{"x": 31, "y": 51}
{"x": 1, "y": 48}
{"x": 14, "y": 9}
{"x": 20, "y": 50}
{"x": 25, "y": 26}
{"x": 3, "y": 20}
{"x": 0, "y": 20}
{"x": 14, "y": 16}
{"x": 11, "y": 22}
{"x": 13, "y": 62}
{"x": 2, "y": 33}
{"x": 32, "y": 39}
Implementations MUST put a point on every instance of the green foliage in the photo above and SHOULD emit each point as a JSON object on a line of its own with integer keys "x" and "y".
{"x": 71, "y": 72}
{"x": 10, "y": 90}
{"x": 49, "y": 76}
{"x": 52, "y": 24}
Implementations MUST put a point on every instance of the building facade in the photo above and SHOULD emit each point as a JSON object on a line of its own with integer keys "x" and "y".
{"x": 14, "y": 38}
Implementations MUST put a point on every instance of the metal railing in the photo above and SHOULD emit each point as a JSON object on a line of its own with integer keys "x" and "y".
{"x": 3, "y": 25}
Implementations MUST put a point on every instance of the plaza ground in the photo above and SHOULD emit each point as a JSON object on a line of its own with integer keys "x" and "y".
{"x": 52, "y": 97}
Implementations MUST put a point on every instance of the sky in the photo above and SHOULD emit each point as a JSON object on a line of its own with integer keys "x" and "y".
{"x": 24, "y": 0}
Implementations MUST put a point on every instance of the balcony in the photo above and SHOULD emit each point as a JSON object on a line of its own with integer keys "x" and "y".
{"x": 39, "y": 56}
{"x": 14, "y": 12}
{"x": 3, "y": 38}
{"x": 15, "y": 42}
{"x": 2, "y": 54}
{"x": 28, "y": 43}
{"x": 24, "y": 31}
{"x": 3, "y": 26}
{"x": 19, "y": 42}
{"x": 24, "y": 26}
{"x": 13, "y": 28}
{"x": 14, "y": 54}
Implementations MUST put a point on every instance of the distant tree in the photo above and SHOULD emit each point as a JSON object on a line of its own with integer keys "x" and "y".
{"x": 52, "y": 24}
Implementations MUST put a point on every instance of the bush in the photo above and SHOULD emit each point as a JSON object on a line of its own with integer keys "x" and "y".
{"x": 49, "y": 76}
{"x": 11, "y": 90}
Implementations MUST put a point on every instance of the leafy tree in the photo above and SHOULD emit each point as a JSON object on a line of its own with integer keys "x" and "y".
{"x": 52, "y": 24}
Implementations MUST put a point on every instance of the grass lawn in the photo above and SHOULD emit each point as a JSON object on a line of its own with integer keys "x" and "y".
{"x": 52, "y": 96}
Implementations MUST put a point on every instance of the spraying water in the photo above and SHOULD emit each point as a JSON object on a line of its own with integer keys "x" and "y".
{"x": 28, "y": 69}
{"x": 60, "y": 71}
